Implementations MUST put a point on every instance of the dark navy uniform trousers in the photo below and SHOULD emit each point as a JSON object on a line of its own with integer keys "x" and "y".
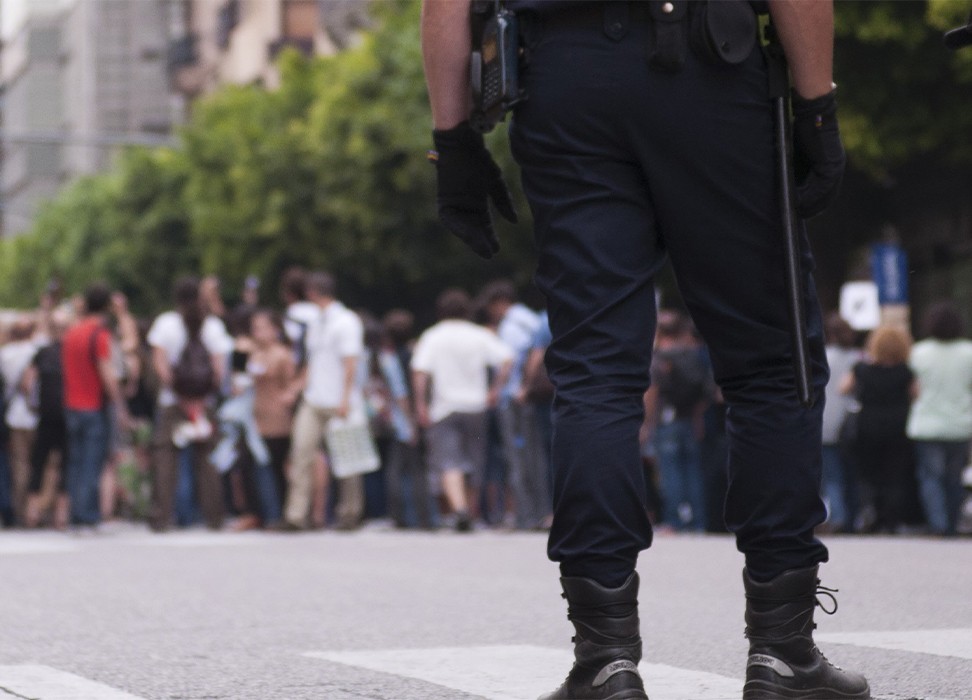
{"x": 626, "y": 166}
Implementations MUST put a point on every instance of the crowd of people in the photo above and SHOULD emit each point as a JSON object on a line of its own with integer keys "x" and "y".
{"x": 307, "y": 416}
{"x": 314, "y": 415}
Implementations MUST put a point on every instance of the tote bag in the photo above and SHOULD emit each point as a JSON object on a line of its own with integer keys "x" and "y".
{"x": 351, "y": 447}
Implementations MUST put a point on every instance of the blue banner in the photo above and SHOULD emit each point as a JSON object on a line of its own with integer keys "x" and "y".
{"x": 889, "y": 269}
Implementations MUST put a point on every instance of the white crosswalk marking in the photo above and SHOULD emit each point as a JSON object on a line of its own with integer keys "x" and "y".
{"x": 956, "y": 643}
{"x": 46, "y": 683}
{"x": 522, "y": 672}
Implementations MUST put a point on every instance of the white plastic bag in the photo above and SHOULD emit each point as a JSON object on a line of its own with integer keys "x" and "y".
{"x": 351, "y": 447}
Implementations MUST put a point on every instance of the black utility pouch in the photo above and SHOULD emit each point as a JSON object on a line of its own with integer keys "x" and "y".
{"x": 723, "y": 31}
{"x": 669, "y": 21}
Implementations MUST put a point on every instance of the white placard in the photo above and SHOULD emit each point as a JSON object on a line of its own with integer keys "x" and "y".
{"x": 859, "y": 305}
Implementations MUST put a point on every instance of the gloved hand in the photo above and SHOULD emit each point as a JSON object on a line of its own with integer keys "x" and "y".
{"x": 818, "y": 154}
{"x": 467, "y": 178}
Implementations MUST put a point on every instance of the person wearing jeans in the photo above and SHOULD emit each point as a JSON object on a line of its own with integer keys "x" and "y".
{"x": 91, "y": 388}
{"x": 940, "y": 422}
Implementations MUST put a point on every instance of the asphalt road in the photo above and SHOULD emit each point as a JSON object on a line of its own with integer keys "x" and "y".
{"x": 426, "y": 616}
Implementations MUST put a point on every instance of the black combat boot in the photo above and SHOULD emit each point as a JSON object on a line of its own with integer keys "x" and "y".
{"x": 607, "y": 643}
{"x": 783, "y": 660}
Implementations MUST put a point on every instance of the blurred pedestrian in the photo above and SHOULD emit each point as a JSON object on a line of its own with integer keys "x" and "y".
{"x": 189, "y": 347}
{"x": 681, "y": 390}
{"x": 941, "y": 418}
{"x": 334, "y": 344}
{"x": 272, "y": 367}
{"x": 450, "y": 374}
{"x": 838, "y": 484}
{"x": 885, "y": 387}
{"x": 20, "y": 415}
{"x": 241, "y": 456}
{"x": 127, "y": 363}
{"x": 92, "y": 388}
{"x": 406, "y": 480}
{"x": 537, "y": 390}
{"x": 516, "y": 325}
{"x": 45, "y": 380}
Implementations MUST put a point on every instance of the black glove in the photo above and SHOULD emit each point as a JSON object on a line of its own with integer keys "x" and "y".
{"x": 818, "y": 154}
{"x": 467, "y": 178}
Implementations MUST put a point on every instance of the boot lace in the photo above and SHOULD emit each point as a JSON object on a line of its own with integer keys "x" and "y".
{"x": 825, "y": 593}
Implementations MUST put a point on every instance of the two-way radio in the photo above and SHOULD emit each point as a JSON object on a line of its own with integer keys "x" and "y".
{"x": 494, "y": 64}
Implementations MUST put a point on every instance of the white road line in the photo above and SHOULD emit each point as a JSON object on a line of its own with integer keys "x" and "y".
{"x": 522, "y": 672}
{"x": 956, "y": 643}
{"x": 46, "y": 683}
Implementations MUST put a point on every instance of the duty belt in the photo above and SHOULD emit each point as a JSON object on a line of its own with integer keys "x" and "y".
{"x": 724, "y": 31}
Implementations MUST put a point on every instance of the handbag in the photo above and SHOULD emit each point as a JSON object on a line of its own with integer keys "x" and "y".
{"x": 350, "y": 446}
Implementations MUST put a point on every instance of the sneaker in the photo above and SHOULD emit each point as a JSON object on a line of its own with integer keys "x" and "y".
{"x": 463, "y": 523}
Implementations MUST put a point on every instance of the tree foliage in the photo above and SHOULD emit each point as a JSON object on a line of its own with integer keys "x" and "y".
{"x": 903, "y": 96}
{"x": 328, "y": 169}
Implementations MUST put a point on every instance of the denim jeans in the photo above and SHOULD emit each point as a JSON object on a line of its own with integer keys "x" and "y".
{"x": 526, "y": 467}
{"x": 682, "y": 479}
{"x": 940, "y": 465}
{"x": 6, "y": 503}
{"x": 87, "y": 452}
{"x": 834, "y": 486}
{"x": 186, "y": 508}
{"x": 407, "y": 486}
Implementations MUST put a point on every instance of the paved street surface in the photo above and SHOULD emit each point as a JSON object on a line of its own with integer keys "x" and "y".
{"x": 127, "y": 615}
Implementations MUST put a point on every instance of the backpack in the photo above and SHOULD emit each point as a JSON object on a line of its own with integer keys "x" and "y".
{"x": 49, "y": 388}
{"x": 683, "y": 380}
{"x": 193, "y": 376}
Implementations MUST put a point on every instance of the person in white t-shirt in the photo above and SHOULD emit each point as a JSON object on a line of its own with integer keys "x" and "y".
{"x": 334, "y": 344}
{"x": 452, "y": 363}
{"x": 184, "y": 418}
{"x": 15, "y": 358}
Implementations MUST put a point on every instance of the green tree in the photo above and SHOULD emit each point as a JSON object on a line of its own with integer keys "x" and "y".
{"x": 903, "y": 96}
{"x": 128, "y": 226}
{"x": 328, "y": 170}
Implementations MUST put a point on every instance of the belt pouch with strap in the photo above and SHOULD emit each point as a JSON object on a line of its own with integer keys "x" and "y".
{"x": 669, "y": 33}
{"x": 723, "y": 31}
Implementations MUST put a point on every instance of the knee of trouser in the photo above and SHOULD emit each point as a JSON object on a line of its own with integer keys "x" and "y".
{"x": 594, "y": 400}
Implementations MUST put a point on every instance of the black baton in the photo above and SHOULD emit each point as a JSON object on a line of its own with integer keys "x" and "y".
{"x": 794, "y": 227}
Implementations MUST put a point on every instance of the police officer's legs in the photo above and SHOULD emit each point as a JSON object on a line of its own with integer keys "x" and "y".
{"x": 598, "y": 258}
{"x": 712, "y": 179}
{"x": 619, "y": 164}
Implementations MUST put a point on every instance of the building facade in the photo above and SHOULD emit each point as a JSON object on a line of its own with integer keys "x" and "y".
{"x": 83, "y": 78}
{"x": 218, "y": 42}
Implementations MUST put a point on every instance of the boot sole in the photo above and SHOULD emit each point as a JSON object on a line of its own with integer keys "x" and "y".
{"x": 758, "y": 690}
{"x": 622, "y": 695}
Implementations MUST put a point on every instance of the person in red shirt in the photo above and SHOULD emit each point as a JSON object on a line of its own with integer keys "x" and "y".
{"x": 91, "y": 388}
